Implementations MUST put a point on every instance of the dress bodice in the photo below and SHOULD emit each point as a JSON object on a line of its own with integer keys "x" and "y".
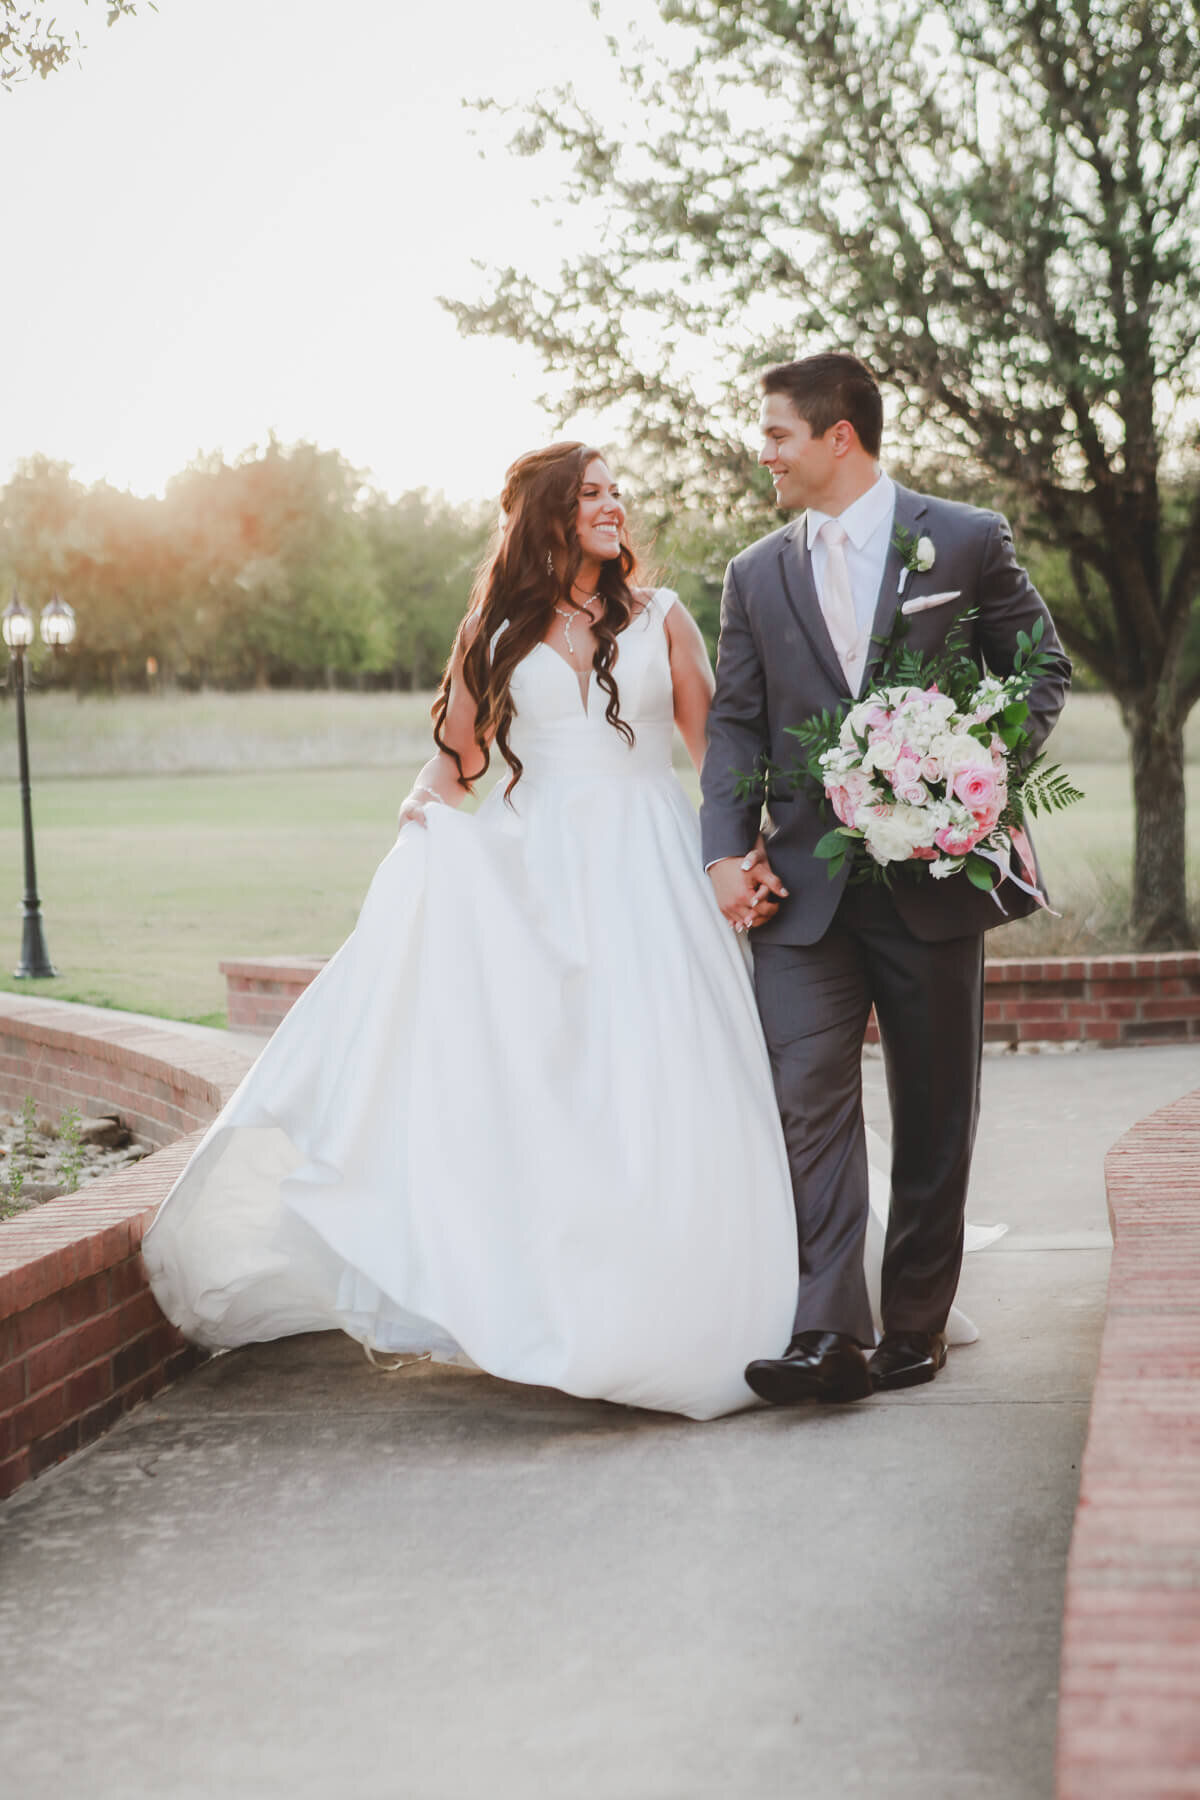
{"x": 555, "y": 734}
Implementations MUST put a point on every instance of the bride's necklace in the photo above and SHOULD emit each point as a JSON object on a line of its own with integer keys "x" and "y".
{"x": 569, "y": 617}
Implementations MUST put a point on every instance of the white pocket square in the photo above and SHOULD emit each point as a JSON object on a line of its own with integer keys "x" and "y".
{"x": 923, "y": 602}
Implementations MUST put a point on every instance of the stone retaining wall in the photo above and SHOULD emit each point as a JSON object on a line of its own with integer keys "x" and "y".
{"x": 1129, "y": 1711}
{"x": 81, "y": 1336}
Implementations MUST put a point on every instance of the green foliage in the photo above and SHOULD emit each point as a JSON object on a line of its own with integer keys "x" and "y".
{"x": 1045, "y": 789}
{"x": 10, "y": 1195}
{"x": 70, "y": 1154}
{"x": 28, "y": 1128}
{"x": 20, "y": 1162}
{"x": 425, "y": 553}
{"x": 980, "y": 873}
{"x": 280, "y": 568}
{"x": 997, "y": 204}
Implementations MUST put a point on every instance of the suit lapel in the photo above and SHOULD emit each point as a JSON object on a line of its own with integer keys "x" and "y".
{"x": 795, "y": 572}
{"x": 909, "y": 508}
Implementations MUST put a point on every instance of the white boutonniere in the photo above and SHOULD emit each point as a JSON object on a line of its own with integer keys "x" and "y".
{"x": 916, "y": 553}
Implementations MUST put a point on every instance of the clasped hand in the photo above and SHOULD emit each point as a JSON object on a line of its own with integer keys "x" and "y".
{"x": 747, "y": 888}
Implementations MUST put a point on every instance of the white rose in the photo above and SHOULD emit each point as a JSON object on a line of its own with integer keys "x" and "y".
{"x": 913, "y": 821}
{"x": 885, "y": 843}
{"x": 892, "y": 836}
{"x": 857, "y": 718}
{"x": 838, "y": 761}
{"x": 882, "y": 756}
{"x": 961, "y": 752}
{"x": 926, "y": 554}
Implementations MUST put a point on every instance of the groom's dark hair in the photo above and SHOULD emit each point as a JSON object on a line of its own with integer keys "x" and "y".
{"x": 825, "y": 389}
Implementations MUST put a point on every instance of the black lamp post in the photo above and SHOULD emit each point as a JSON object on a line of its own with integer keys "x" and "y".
{"x": 58, "y": 628}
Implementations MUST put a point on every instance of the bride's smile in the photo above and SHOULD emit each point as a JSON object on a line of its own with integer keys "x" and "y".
{"x": 601, "y": 516}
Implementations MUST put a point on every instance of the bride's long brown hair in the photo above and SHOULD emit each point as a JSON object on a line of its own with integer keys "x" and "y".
{"x": 528, "y": 571}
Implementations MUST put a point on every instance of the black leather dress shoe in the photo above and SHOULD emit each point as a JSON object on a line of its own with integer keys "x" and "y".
{"x": 817, "y": 1365}
{"x": 906, "y": 1359}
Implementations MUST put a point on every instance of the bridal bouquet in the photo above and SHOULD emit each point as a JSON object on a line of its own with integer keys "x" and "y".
{"x": 927, "y": 769}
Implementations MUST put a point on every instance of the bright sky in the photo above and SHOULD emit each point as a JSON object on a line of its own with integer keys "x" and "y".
{"x": 234, "y": 217}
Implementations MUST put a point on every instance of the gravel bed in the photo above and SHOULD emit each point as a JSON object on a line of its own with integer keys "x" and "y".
{"x": 42, "y": 1157}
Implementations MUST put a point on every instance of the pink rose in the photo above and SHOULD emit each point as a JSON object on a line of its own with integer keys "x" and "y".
{"x": 977, "y": 788}
{"x": 848, "y": 795}
{"x": 842, "y": 804}
{"x": 907, "y": 769}
{"x": 929, "y": 855}
{"x": 956, "y": 840}
{"x": 913, "y": 793}
{"x": 931, "y": 768}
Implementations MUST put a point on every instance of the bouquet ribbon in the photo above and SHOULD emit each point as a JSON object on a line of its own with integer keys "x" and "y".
{"x": 1026, "y": 881}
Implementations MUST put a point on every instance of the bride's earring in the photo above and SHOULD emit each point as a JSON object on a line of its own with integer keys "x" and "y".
{"x": 549, "y": 562}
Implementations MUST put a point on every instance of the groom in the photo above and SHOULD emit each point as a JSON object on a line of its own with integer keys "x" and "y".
{"x": 800, "y": 613}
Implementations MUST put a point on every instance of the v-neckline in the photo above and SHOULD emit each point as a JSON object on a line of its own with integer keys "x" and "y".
{"x": 584, "y": 687}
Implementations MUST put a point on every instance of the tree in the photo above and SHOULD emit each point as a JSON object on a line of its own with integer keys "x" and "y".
{"x": 997, "y": 204}
{"x": 277, "y": 566}
{"x": 280, "y": 567}
{"x": 425, "y": 554}
{"x": 32, "y": 44}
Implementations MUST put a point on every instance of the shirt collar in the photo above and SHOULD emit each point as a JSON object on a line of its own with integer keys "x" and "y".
{"x": 862, "y": 519}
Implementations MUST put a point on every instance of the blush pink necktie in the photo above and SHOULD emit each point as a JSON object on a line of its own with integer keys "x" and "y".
{"x": 837, "y": 600}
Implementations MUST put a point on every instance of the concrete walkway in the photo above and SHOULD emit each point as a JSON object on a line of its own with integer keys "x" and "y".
{"x": 290, "y": 1576}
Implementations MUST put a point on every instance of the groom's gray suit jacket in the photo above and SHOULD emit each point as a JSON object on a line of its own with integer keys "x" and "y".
{"x": 776, "y": 666}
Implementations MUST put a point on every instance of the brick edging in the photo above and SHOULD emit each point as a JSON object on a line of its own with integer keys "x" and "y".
{"x": 261, "y": 990}
{"x": 81, "y": 1336}
{"x": 1129, "y": 1711}
{"x": 1108, "y": 1000}
{"x": 161, "y": 1082}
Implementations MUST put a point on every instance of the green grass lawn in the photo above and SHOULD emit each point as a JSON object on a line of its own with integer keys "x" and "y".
{"x": 149, "y": 879}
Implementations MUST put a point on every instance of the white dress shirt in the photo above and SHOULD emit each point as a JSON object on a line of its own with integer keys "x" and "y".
{"x": 867, "y": 523}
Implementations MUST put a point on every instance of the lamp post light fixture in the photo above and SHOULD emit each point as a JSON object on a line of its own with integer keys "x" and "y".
{"x": 57, "y": 623}
{"x": 58, "y": 627}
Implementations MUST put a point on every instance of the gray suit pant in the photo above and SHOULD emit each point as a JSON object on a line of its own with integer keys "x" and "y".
{"x": 815, "y": 1000}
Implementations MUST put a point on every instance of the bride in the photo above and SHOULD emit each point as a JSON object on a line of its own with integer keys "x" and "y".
{"x": 525, "y": 1116}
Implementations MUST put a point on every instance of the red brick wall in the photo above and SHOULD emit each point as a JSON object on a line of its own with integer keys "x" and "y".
{"x": 1094, "y": 999}
{"x": 81, "y": 1336}
{"x": 1099, "y": 999}
{"x": 1129, "y": 1710}
{"x": 161, "y": 1083}
{"x": 258, "y": 993}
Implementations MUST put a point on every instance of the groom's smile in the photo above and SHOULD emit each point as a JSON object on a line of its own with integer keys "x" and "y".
{"x": 801, "y": 465}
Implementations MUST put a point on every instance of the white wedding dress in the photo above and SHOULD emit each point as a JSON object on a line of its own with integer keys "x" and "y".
{"x": 525, "y": 1115}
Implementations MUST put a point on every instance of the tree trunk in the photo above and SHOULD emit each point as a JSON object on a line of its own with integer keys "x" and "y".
{"x": 1159, "y": 914}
